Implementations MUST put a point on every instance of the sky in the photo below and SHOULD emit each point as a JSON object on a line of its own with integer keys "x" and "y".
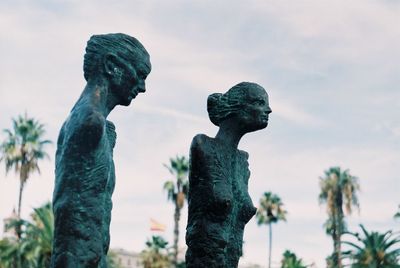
{"x": 331, "y": 69}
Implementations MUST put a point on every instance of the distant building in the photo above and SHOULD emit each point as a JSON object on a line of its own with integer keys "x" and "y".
{"x": 126, "y": 259}
{"x": 249, "y": 265}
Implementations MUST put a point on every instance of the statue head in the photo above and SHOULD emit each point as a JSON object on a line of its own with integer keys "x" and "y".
{"x": 246, "y": 103}
{"x": 122, "y": 60}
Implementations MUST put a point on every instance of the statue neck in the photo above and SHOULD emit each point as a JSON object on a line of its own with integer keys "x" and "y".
{"x": 96, "y": 95}
{"x": 230, "y": 133}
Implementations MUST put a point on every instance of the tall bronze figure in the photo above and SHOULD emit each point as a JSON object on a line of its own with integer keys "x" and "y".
{"x": 115, "y": 68}
{"x": 219, "y": 202}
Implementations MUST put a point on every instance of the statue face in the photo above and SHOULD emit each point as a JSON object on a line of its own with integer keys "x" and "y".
{"x": 256, "y": 110}
{"x": 130, "y": 81}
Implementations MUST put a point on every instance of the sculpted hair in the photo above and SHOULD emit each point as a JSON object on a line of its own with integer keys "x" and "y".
{"x": 222, "y": 106}
{"x": 124, "y": 46}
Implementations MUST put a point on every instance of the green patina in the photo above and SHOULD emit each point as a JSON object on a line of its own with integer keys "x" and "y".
{"x": 115, "y": 67}
{"x": 219, "y": 202}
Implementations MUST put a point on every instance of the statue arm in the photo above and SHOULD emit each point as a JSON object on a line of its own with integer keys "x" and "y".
{"x": 86, "y": 127}
{"x": 206, "y": 170}
{"x": 195, "y": 159}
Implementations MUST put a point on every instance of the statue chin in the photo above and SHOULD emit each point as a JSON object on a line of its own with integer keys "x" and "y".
{"x": 259, "y": 126}
{"x": 126, "y": 102}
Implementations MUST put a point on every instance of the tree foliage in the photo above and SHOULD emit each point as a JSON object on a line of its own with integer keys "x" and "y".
{"x": 177, "y": 191}
{"x": 35, "y": 243}
{"x": 373, "y": 249}
{"x": 23, "y": 148}
{"x": 290, "y": 260}
{"x": 156, "y": 254}
{"x": 177, "y": 188}
{"x": 270, "y": 211}
{"x": 338, "y": 189}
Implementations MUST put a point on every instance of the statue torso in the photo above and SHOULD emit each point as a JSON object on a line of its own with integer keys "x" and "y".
{"x": 85, "y": 180}
{"x": 84, "y": 172}
{"x": 219, "y": 203}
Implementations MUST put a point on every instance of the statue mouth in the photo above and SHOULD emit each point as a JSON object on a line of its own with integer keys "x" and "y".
{"x": 134, "y": 93}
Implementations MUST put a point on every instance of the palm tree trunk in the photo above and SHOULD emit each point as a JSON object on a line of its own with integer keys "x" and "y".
{"x": 339, "y": 204}
{"x": 18, "y": 227}
{"x": 21, "y": 188}
{"x": 23, "y": 176}
{"x": 339, "y": 236}
{"x": 270, "y": 245}
{"x": 337, "y": 219}
{"x": 337, "y": 250}
{"x": 177, "y": 216}
{"x": 22, "y": 180}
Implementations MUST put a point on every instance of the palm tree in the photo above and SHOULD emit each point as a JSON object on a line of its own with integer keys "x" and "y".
{"x": 338, "y": 189}
{"x": 270, "y": 211}
{"x": 374, "y": 249}
{"x": 9, "y": 252}
{"x": 156, "y": 254}
{"x": 22, "y": 149}
{"x": 33, "y": 249}
{"x": 38, "y": 235}
{"x": 290, "y": 260}
{"x": 177, "y": 191}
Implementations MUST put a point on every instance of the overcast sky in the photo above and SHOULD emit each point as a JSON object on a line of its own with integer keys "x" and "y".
{"x": 331, "y": 69}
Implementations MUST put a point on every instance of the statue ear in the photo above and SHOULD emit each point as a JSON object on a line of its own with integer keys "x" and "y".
{"x": 113, "y": 66}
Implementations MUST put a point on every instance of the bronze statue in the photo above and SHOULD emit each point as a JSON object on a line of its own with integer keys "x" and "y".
{"x": 115, "y": 68}
{"x": 219, "y": 202}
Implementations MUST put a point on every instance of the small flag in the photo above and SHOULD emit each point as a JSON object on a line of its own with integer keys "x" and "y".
{"x": 156, "y": 226}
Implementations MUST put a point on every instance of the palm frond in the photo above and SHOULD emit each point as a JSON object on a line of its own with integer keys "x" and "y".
{"x": 374, "y": 249}
{"x": 270, "y": 209}
{"x": 179, "y": 167}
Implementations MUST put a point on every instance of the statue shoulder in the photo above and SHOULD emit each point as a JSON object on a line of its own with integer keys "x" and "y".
{"x": 90, "y": 122}
{"x": 200, "y": 143}
{"x": 84, "y": 127}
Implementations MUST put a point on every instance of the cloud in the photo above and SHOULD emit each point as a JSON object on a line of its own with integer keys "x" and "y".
{"x": 290, "y": 112}
{"x": 170, "y": 112}
{"x": 387, "y": 126}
